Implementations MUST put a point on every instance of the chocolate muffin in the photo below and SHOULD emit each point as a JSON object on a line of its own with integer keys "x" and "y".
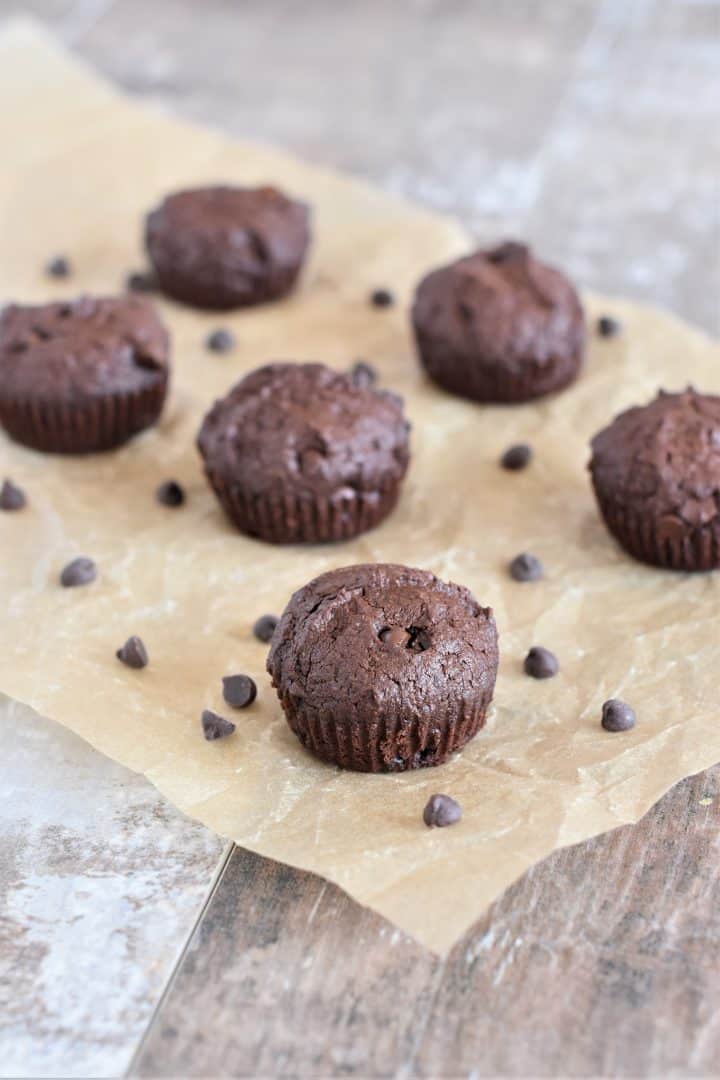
{"x": 82, "y": 376}
{"x": 499, "y": 326}
{"x": 384, "y": 668}
{"x": 656, "y": 475}
{"x": 297, "y": 453}
{"x": 226, "y": 247}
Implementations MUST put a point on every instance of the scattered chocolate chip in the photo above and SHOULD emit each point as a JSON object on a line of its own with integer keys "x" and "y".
{"x": 541, "y": 663}
{"x": 239, "y": 690}
{"x": 363, "y": 374}
{"x": 441, "y": 810}
{"x": 526, "y": 567}
{"x": 517, "y": 457}
{"x": 220, "y": 341}
{"x": 395, "y": 635}
{"x": 617, "y": 715}
{"x": 264, "y": 628}
{"x": 608, "y": 327}
{"x": 382, "y": 298}
{"x": 133, "y": 653}
{"x": 81, "y": 571}
{"x": 59, "y": 267}
{"x": 11, "y": 496}
{"x": 214, "y": 726}
{"x": 141, "y": 281}
{"x": 170, "y": 493}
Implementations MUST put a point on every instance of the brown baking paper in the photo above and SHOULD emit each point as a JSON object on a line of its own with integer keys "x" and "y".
{"x": 81, "y": 166}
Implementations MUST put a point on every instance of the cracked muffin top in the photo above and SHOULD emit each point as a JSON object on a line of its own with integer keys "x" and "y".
{"x": 502, "y": 306}
{"x": 85, "y": 348}
{"x": 663, "y": 459}
{"x": 382, "y": 638}
{"x": 304, "y": 429}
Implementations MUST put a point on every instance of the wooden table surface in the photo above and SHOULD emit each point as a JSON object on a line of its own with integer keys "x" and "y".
{"x": 131, "y": 939}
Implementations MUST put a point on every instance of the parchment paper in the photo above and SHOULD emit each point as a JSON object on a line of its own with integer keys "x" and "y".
{"x": 80, "y": 167}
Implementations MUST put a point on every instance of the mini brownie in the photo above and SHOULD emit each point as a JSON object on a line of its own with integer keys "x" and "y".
{"x": 300, "y": 453}
{"x": 499, "y": 326}
{"x": 82, "y": 376}
{"x": 225, "y": 247}
{"x": 656, "y": 474}
{"x": 383, "y": 667}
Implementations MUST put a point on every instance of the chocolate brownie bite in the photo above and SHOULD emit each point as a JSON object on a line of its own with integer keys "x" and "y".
{"x": 384, "y": 668}
{"x": 82, "y": 376}
{"x": 227, "y": 247}
{"x": 499, "y": 326}
{"x": 656, "y": 474}
{"x": 297, "y": 453}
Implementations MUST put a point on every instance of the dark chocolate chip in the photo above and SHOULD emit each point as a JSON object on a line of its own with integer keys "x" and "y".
{"x": 608, "y": 327}
{"x": 363, "y": 374}
{"x": 141, "y": 281}
{"x": 382, "y": 298}
{"x": 541, "y": 663}
{"x": 239, "y": 690}
{"x": 214, "y": 726}
{"x": 395, "y": 635}
{"x": 526, "y": 567}
{"x": 170, "y": 493}
{"x": 59, "y": 267}
{"x": 440, "y": 811}
{"x": 617, "y": 715}
{"x": 220, "y": 341}
{"x": 133, "y": 653}
{"x": 510, "y": 251}
{"x": 264, "y": 628}
{"x": 419, "y": 639}
{"x": 11, "y": 496}
{"x": 517, "y": 457}
{"x": 80, "y": 571}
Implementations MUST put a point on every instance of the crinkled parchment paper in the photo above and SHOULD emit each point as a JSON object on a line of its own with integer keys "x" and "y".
{"x": 80, "y": 167}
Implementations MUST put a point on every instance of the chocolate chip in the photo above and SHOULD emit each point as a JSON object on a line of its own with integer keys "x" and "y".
{"x": 395, "y": 635}
{"x": 11, "y": 496}
{"x": 440, "y": 811}
{"x": 220, "y": 341}
{"x": 382, "y": 298}
{"x": 170, "y": 493}
{"x": 133, "y": 653}
{"x": 81, "y": 571}
{"x": 510, "y": 251}
{"x": 363, "y": 374}
{"x": 141, "y": 281}
{"x": 526, "y": 567}
{"x": 59, "y": 267}
{"x": 239, "y": 690}
{"x": 608, "y": 327}
{"x": 617, "y": 715}
{"x": 517, "y": 457}
{"x": 541, "y": 663}
{"x": 264, "y": 628}
{"x": 214, "y": 726}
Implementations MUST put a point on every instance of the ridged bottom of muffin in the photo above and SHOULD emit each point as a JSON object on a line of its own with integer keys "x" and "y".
{"x": 384, "y": 743}
{"x": 86, "y": 427}
{"x": 291, "y": 519}
{"x": 490, "y": 382}
{"x": 672, "y": 545}
{"x": 225, "y": 295}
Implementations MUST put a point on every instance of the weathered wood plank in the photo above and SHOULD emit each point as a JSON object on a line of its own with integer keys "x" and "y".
{"x": 603, "y": 960}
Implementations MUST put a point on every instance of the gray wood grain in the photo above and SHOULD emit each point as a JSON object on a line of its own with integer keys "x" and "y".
{"x": 591, "y": 127}
{"x": 604, "y": 960}
{"x": 101, "y": 880}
